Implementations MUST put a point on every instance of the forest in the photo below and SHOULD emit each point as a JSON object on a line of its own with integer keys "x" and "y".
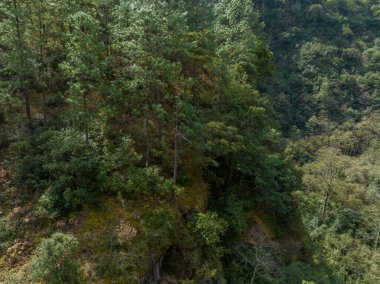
{"x": 189, "y": 141}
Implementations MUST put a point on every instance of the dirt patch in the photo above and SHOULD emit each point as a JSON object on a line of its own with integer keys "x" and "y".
{"x": 4, "y": 175}
{"x": 19, "y": 251}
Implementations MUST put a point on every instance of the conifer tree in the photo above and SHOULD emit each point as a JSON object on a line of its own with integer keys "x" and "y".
{"x": 83, "y": 66}
{"x": 18, "y": 59}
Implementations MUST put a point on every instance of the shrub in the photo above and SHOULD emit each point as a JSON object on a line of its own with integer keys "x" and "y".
{"x": 143, "y": 181}
{"x": 347, "y": 221}
{"x": 7, "y": 232}
{"x": 123, "y": 156}
{"x": 117, "y": 266}
{"x": 160, "y": 226}
{"x": 74, "y": 169}
{"x": 147, "y": 181}
{"x": 120, "y": 162}
{"x": 299, "y": 272}
{"x": 232, "y": 210}
{"x": 210, "y": 226}
{"x": 54, "y": 260}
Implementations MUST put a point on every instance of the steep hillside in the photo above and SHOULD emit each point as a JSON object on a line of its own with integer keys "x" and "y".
{"x": 327, "y": 93}
{"x": 136, "y": 145}
{"x": 191, "y": 141}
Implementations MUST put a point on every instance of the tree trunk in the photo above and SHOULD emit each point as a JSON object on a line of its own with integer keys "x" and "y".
{"x": 147, "y": 140}
{"x": 159, "y": 122}
{"x": 297, "y": 6}
{"x": 160, "y": 136}
{"x": 42, "y": 60}
{"x": 263, "y": 7}
{"x": 44, "y": 106}
{"x": 176, "y": 132}
{"x": 325, "y": 203}
{"x": 85, "y": 116}
{"x": 27, "y": 109}
{"x": 254, "y": 274}
{"x": 377, "y": 237}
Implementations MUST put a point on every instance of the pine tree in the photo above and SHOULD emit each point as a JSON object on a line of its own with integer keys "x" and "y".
{"x": 83, "y": 66}
{"x": 237, "y": 29}
{"x": 152, "y": 46}
{"x": 18, "y": 60}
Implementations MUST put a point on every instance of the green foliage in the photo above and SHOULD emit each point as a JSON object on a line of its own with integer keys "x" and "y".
{"x": 160, "y": 227}
{"x": 148, "y": 181}
{"x": 356, "y": 265}
{"x": 187, "y": 282}
{"x": 74, "y": 169}
{"x": 55, "y": 261}
{"x": 144, "y": 181}
{"x": 210, "y": 226}
{"x": 123, "y": 156}
{"x": 348, "y": 221}
{"x": 119, "y": 162}
{"x": 7, "y": 232}
{"x": 237, "y": 29}
{"x": 299, "y": 272}
{"x": 327, "y": 54}
{"x": 224, "y": 140}
{"x": 9, "y": 277}
{"x": 349, "y": 177}
{"x": 234, "y": 212}
{"x": 118, "y": 266}
{"x": 121, "y": 95}
{"x": 310, "y": 58}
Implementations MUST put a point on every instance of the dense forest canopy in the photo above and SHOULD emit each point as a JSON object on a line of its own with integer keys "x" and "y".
{"x": 189, "y": 141}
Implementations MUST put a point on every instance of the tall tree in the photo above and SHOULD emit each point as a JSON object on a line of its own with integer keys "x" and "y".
{"x": 83, "y": 66}
{"x": 327, "y": 168}
{"x": 151, "y": 46}
{"x": 18, "y": 60}
{"x": 238, "y": 32}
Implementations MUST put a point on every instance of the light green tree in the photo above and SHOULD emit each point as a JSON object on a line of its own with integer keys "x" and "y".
{"x": 210, "y": 226}
{"x": 55, "y": 261}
